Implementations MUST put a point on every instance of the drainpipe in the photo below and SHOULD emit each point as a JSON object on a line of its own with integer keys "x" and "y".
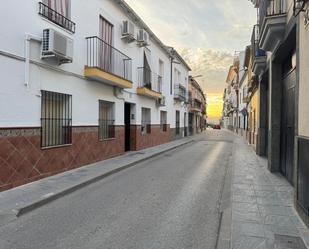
{"x": 270, "y": 59}
{"x": 28, "y": 38}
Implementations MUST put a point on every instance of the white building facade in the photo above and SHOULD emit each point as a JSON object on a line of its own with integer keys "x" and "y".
{"x": 82, "y": 82}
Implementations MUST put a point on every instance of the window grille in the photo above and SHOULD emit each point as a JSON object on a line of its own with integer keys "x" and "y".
{"x": 106, "y": 120}
{"x": 146, "y": 120}
{"x": 177, "y": 122}
{"x": 56, "y": 119}
{"x": 163, "y": 121}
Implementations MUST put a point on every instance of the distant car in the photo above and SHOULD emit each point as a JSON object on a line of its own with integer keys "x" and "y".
{"x": 216, "y": 127}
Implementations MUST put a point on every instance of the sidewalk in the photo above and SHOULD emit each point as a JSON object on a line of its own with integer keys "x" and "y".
{"x": 25, "y": 198}
{"x": 262, "y": 209}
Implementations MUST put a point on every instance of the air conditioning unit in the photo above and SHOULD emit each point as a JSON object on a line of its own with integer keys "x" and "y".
{"x": 57, "y": 46}
{"x": 142, "y": 38}
{"x": 128, "y": 31}
{"x": 161, "y": 101}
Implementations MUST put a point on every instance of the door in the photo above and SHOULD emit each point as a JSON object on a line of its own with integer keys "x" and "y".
{"x": 185, "y": 124}
{"x": 127, "y": 124}
{"x": 288, "y": 126}
{"x": 105, "y": 45}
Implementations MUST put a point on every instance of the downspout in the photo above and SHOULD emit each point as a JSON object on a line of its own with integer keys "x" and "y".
{"x": 171, "y": 83}
{"x": 28, "y": 38}
{"x": 270, "y": 59}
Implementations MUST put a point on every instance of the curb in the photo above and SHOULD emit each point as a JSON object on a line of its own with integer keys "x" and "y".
{"x": 34, "y": 205}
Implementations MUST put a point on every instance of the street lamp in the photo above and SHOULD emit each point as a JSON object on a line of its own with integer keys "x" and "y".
{"x": 299, "y": 6}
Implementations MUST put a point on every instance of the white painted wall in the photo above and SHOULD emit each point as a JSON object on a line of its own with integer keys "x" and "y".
{"x": 303, "y": 105}
{"x": 20, "y": 105}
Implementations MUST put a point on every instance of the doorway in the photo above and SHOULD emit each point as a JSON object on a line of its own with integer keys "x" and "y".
{"x": 127, "y": 126}
{"x": 288, "y": 126}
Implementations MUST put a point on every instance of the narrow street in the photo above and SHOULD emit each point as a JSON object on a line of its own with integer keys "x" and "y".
{"x": 170, "y": 201}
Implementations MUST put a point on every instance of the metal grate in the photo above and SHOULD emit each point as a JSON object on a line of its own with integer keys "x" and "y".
{"x": 163, "y": 121}
{"x": 177, "y": 122}
{"x": 106, "y": 120}
{"x": 107, "y": 58}
{"x": 146, "y": 121}
{"x": 56, "y": 119}
{"x": 56, "y": 17}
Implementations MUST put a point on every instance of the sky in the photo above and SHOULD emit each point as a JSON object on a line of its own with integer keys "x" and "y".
{"x": 206, "y": 33}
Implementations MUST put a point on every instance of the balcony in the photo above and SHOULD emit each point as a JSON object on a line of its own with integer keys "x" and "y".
{"x": 55, "y": 17}
{"x": 106, "y": 64}
{"x": 272, "y": 23}
{"x": 196, "y": 105}
{"x": 180, "y": 93}
{"x": 258, "y": 55}
{"x": 149, "y": 83}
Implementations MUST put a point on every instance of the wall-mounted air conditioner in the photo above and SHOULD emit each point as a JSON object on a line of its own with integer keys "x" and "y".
{"x": 128, "y": 31}
{"x": 142, "y": 38}
{"x": 57, "y": 46}
{"x": 161, "y": 101}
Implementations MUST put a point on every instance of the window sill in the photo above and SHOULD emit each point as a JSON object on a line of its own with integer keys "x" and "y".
{"x": 107, "y": 139}
{"x": 56, "y": 146}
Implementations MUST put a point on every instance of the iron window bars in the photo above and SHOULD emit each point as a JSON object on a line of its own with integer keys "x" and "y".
{"x": 177, "y": 122}
{"x": 106, "y": 120}
{"x": 57, "y": 18}
{"x": 149, "y": 79}
{"x": 56, "y": 119}
{"x": 105, "y": 57}
{"x": 146, "y": 121}
{"x": 180, "y": 92}
{"x": 163, "y": 121}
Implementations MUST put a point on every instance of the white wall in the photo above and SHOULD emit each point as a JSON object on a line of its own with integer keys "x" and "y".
{"x": 303, "y": 105}
{"x": 20, "y": 105}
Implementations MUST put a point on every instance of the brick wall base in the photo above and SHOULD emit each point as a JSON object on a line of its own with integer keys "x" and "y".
{"x": 22, "y": 160}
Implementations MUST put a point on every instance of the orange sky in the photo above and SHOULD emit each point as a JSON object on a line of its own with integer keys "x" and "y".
{"x": 214, "y": 107}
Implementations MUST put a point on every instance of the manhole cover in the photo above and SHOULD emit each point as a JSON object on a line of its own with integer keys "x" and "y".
{"x": 288, "y": 242}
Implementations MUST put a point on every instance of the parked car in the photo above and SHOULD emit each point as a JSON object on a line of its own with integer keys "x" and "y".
{"x": 216, "y": 127}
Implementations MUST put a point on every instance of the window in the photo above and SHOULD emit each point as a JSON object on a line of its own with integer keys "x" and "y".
{"x": 161, "y": 75}
{"x": 56, "y": 119}
{"x": 106, "y": 120}
{"x": 177, "y": 122}
{"x": 59, "y": 12}
{"x": 146, "y": 120}
{"x": 163, "y": 121}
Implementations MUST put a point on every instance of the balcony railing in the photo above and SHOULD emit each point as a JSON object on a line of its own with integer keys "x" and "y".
{"x": 271, "y": 8}
{"x": 56, "y": 17}
{"x": 149, "y": 79}
{"x": 180, "y": 92}
{"x": 103, "y": 56}
{"x": 256, "y": 50}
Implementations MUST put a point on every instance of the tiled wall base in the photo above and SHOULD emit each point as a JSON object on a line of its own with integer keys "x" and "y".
{"x": 22, "y": 160}
{"x": 156, "y": 137}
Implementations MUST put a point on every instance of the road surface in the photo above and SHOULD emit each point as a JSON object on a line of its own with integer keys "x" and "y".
{"x": 170, "y": 201}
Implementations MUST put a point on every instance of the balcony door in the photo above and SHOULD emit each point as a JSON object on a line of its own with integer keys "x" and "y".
{"x": 105, "y": 46}
{"x": 147, "y": 69}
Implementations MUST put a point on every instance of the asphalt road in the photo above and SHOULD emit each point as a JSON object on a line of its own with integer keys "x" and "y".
{"x": 170, "y": 201}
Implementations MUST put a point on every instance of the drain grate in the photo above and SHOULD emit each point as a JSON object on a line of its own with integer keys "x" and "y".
{"x": 288, "y": 242}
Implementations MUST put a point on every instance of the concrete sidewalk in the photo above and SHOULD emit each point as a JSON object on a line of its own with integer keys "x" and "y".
{"x": 262, "y": 210}
{"x": 25, "y": 198}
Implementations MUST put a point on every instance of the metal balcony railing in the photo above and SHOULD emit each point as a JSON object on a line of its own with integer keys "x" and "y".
{"x": 180, "y": 92}
{"x": 255, "y": 38}
{"x": 271, "y": 8}
{"x": 56, "y": 17}
{"x": 103, "y": 56}
{"x": 149, "y": 79}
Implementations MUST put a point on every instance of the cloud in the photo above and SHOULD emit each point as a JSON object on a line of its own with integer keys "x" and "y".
{"x": 205, "y": 32}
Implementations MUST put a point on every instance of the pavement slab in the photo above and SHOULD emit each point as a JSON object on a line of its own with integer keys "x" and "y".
{"x": 263, "y": 214}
